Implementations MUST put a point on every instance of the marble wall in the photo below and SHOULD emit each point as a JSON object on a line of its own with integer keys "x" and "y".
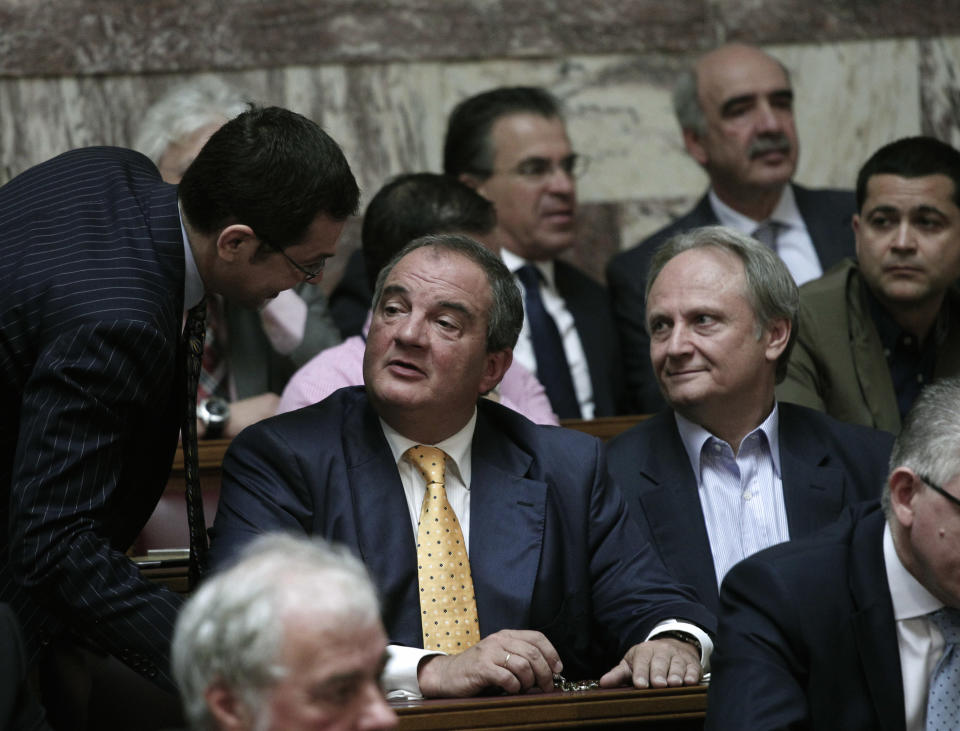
{"x": 381, "y": 78}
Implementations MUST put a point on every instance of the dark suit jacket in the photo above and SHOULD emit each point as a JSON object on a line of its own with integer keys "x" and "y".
{"x": 807, "y": 635}
{"x": 19, "y": 709}
{"x": 826, "y": 465}
{"x": 91, "y": 286}
{"x": 551, "y": 547}
{"x": 827, "y": 214}
{"x": 589, "y": 304}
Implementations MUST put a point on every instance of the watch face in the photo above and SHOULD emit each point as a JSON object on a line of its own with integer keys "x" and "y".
{"x": 218, "y": 408}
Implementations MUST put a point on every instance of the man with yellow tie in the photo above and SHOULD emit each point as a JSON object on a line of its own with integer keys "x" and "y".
{"x": 501, "y": 551}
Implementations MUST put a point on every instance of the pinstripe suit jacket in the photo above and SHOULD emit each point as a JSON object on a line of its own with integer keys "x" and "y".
{"x": 91, "y": 295}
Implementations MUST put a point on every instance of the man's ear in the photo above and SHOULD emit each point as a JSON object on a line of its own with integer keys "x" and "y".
{"x": 233, "y": 238}
{"x": 778, "y": 333}
{"x": 695, "y": 148}
{"x": 495, "y": 365}
{"x": 226, "y": 708}
{"x": 904, "y": 486}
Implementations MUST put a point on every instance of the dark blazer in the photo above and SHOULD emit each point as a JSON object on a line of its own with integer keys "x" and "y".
{"x": 551, "y": 547}
{"x": 91, "y": 300}
{"x": 827, "y": 214}
{"x": 19, "y": 708}
{"x": 826, "y": 465}
{"x": 589, "y": 304}
{"x": 807, "y": 635}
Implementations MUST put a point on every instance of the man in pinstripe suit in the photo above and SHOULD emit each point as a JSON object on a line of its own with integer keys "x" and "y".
{"x": 98, "y": 259}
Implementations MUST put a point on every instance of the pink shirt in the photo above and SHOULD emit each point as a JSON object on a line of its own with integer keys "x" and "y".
{"x": 342, "y": 365}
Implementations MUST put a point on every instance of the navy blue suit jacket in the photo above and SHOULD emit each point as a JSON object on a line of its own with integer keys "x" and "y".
{"x": 91, "y": 296}
{"x": 827, "y": 214}
{"x": 589, "y": 304}
{"x": 807, "y": 636}
{"x": 550, "y": 549}
{"x": 826, "y": 466}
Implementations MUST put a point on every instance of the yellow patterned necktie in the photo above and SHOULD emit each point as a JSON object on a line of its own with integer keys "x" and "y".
{"x": 448, "y": 608}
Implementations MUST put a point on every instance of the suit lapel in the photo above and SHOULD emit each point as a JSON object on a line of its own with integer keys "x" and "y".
{"x": 673, "y": 510}
{"x": 873, "y": 623}
{"x": 507, "y": 515}
{"x": 386, "y": 541}
{"x": 812, "y": 488}
{"x": 871, "y": 367}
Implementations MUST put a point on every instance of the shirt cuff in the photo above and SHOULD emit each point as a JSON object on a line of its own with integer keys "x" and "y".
{"x": 284, "y": 320}
{"x": 677, "y": 625}
{"x": 399, "y": 679}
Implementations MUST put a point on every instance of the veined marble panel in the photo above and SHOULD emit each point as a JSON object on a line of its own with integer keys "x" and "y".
{"x": 940, "y": 88}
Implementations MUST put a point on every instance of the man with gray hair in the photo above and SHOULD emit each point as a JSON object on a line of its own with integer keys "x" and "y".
{"x": 727, "y": 470}
{"x": 856, "y": 627}
{"x": 735, "y": 109}
{"x": 288, "y": 638}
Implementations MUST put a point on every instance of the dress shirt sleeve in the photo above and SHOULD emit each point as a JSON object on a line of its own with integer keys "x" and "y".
{"x": 87, "y": 443}
{"x": 522, "y": 392}
{"x": 399, "y": 679}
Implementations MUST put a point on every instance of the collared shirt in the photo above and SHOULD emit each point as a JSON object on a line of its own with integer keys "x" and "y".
{"x": 400, "y": 675}
{"x": 911, "y": 363}
{"x": 572, "y": 346}
{"x": 192, "y": 283}
{"x": 794, "y": 245}
{"x": 919, "y": 639}
{"x": 741, "y": 496}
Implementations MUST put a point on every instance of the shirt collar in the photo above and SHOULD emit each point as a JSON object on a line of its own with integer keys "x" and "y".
{"x": 910, "y": 598}
{"x": 694, "y": 437}
{"x": 457, "y": 447}
{"x": 785, "y": 213}
{"x": 514, "y": 262}
{"x": 193, "y": 290}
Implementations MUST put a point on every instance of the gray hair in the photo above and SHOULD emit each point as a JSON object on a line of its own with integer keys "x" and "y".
{"x": 686, "y": 99}
{"x": 231, "y": 630}
{"x": 771, "y": 291}
{"x": 929, "y": 443}
{"x": 185, "y": 109}
{"x": 506, "y": 313}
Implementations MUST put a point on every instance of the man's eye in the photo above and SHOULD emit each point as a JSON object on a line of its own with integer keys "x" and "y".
{"x": 534, "y": 166}
{"x": 880, "y": 221}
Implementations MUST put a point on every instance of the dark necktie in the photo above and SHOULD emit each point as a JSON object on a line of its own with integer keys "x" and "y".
{"x": 213, "y": 371}
{"x": 193, "y": 333}
{"x": 767, "y": 232}
{"x": 552, "y": 367}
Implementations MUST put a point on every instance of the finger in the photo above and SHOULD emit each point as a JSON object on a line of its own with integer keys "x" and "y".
{"x": 678, "y": 668}
{"x": 659, "y": 667}
{"x": 617, "y": 676}
{"x": 540, "y": 641}
{"x": 531, "y": 667}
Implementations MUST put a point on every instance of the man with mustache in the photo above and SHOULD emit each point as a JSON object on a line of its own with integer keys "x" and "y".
{"x": 735, "y": 108}
{"x": 874, "y": 330}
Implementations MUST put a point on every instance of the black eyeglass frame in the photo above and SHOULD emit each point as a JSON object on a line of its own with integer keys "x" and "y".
{"x": 308, "y": 274}
{"x": 936, "y": 488}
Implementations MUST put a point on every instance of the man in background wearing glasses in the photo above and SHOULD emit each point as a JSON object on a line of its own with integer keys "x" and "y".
{"x": 856, "y": 627}
{"x": 511, "y": 145}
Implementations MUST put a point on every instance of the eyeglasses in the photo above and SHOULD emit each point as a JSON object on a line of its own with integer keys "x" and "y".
{"x": 308, "y": 274}
{"x": 538, "y": 169}
{"x": 936, "y": 488}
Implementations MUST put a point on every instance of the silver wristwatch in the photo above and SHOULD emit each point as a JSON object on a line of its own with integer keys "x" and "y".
{"x": 213, "y": 413}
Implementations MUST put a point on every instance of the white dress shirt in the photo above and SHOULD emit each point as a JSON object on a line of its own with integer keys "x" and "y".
{"x": 741, "y": 496}
{"x": 572, "y": 346}
{"x": 794, "y": 245}
{"x": 400, "y": 674}
{"x": 919, "y": 639}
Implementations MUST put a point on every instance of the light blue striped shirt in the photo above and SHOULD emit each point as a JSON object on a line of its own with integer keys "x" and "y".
{"x": 742, "y": 495}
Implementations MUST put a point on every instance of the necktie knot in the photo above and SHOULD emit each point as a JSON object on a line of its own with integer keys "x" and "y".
{"x": 429, "y": 460}
{"x": 766, "y": 233}
{"x": 948, "y": 621}
{"x": 529, "y": 276}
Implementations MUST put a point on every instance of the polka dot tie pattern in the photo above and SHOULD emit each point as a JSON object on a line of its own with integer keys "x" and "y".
{"x": 943, "y": 700}
{"x": 448, "y": 608}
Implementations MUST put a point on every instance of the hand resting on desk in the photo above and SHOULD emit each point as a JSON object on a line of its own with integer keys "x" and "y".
{"x": 519, "y": 660}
